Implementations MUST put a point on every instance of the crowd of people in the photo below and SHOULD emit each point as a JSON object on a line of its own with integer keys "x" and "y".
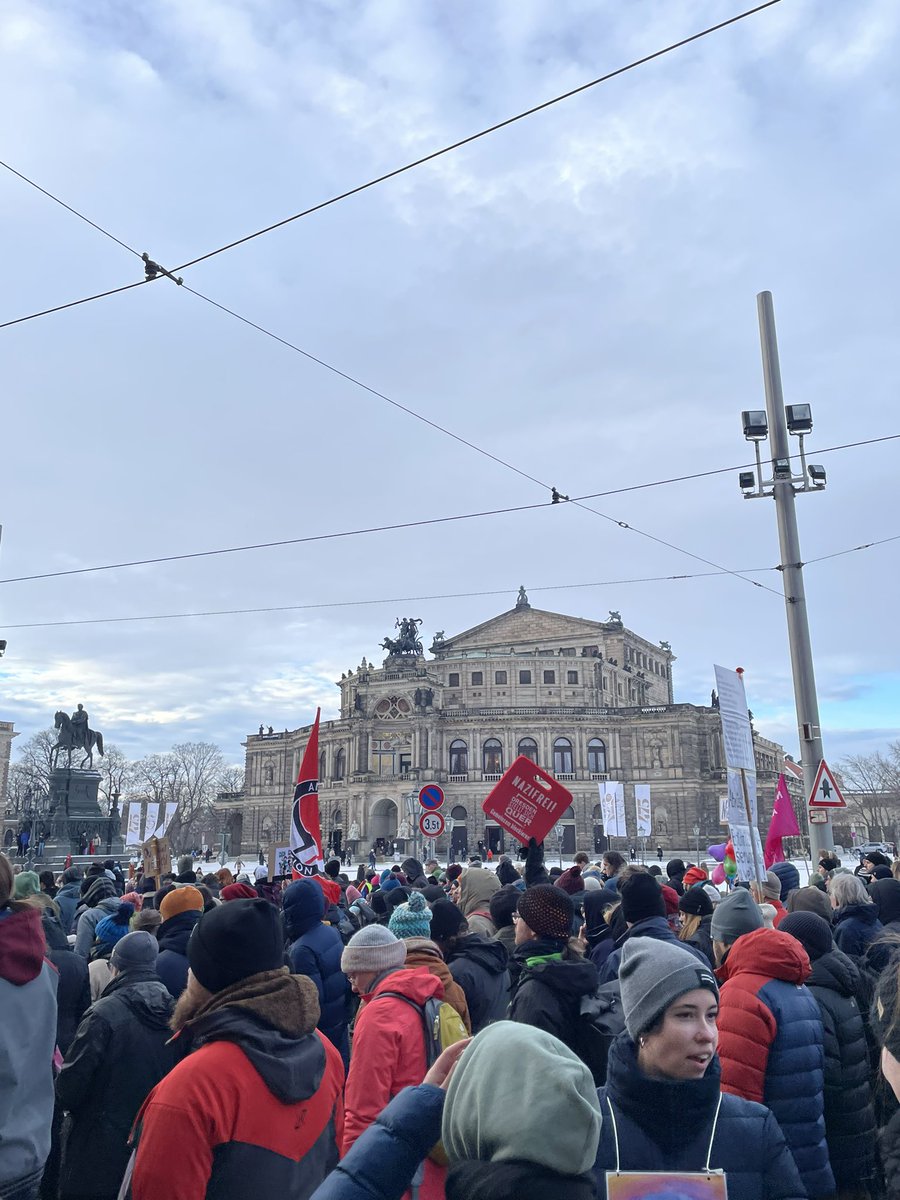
{"x": 458, "y": 1032}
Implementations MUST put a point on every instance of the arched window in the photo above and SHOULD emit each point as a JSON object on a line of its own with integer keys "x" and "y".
{"x": 492, "y": 757}
{"x": 339, "y": 760}
{"x": 528, "y": 747}
{"x": 459, "y": 757}
{"x": 268, "y": 776}
{"x": 562, "y": 757}
{"x": 458, "y": 813}
{"x": 597, "y": 756}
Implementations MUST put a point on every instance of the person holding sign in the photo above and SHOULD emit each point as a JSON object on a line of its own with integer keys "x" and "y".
{"x": 665, "y": 1116}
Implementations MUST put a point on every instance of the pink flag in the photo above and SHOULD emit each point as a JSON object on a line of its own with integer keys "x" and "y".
{"x": 784, "y": 824}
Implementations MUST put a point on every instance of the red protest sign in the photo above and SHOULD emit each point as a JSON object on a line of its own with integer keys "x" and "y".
{"x": 527, "y": 801}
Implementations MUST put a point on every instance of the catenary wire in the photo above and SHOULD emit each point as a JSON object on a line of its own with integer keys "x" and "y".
{"x": 425, "y": 521}
{"x": 45, "y": 312}
{"x": 474, "y": 137}
{"x": 550, "y": 587}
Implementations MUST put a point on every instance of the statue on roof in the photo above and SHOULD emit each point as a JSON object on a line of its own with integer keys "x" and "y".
{"x": 522, "y": 598}
{"x": 407, "y": 641}
{"x": 615, "y": 618}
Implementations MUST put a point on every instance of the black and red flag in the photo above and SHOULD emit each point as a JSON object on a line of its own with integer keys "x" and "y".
{"x": 306, "y": 832}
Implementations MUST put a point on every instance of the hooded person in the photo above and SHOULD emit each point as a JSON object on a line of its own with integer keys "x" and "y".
{"x": 180, "y": 910}
{"x": 809, "y": 899}
{"x": 27, "y": 883}
{"x": 789, "y": 877}
{"x": 572, "y": 880}
{"x": 885, "y": 895}
{"x": 315, "y": 952}
{"x": 771, "y": 1037}
{"x": 67, "y": 897}
{"x": 414, "y": 872}
{"x": 644, "y": 912}
{"x": 73, "y": 994}
{"x": 475, "y": 891}
{"x": 100, "y": 900}
{"x": 239, "y": 891}
{"x": 675, "y": 873}
{"x": 506, "y": 872}
{"x": 835, "y": 983}
{"x": 504, "y": 903}
{"x": 552, "y": 977}
{"x": 411, "y": 922}
{"x": 119, "y": 1053}
{"x": 696, "y": 910}
{"x": 109, "y": 931}
{"x": 256, "y": 1093}
{"x": 597, "y": 931}
{"x": 388, "y": 1042}
{"x": 479, "y": 964}
{"x": 28, "y": 986}
{"x": 663, "y": 1103}
{"x": 885, "y": 1020}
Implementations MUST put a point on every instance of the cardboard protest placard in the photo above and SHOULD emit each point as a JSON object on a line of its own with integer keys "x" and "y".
{"x": 527, "y": 801}
{"x": 279, "y": 862}
{"x": 157, "y": 857}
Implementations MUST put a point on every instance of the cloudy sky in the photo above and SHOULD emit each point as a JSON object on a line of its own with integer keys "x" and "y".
{"x": 575, "y": 294}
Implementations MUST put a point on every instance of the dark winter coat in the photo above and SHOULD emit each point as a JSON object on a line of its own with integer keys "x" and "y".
{"x": 117, "y": 1057}
{"x": 106, "y": 906}
{"x": 67, "y": 899}
{"x": 849, "y": 1108}
{"x": 73, "y": 995}
{"x": 771, "y": 1044}
{"x": 889, "y": 1142}
{"x": 701, "y": 939}
{"x": 855, "y": 926}
{"x": 479, "y": 966}
{"x": 657, "y": 928}
{"x": 666, "y": 1125}
{"x": 549, "y": 991}
{"x": 172, "y": 964}
{"x": 600, "y": 938}
{"x": 317, "y": 954}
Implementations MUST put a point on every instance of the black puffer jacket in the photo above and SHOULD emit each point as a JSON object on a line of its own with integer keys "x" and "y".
{"x": 479, "y": 966}
{"x": 701, "y": 939}
{"x": 849, "y": 1109}
{"x": 73, "y": 996}
{"x": 172, "y": 964}
{"x": 549, "y": 990}
{"x": 889, "y": 1141}
{"x": 118, "y": 1056}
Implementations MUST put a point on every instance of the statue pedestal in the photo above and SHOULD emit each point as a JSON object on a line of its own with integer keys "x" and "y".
{"x": 75, "y": 815}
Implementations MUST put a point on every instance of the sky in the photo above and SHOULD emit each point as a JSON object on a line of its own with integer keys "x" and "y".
{"x": 575, "y": 294}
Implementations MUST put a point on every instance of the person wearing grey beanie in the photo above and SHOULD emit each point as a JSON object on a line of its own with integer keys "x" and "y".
{"x": 736, "y": 915}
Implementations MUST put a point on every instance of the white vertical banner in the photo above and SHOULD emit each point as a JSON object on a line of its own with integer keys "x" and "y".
{"x": 150, "y": 821}
{"x": 736, "y": 732}
{"x": 642, "y": 809}
{"x": 165, "y": 818}
{"x": 612, "y": 804}
{"x": 133, "y": 825}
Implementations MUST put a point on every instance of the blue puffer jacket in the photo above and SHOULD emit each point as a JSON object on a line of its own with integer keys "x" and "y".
{"x": 772, "y": 1044}
{"x": 316, "y": 952}
{"x": 652, "y": 927}
{"x": 667, "y": 1125}
{"x": 855, "y": 926}
{"x": 383, "y": 1160}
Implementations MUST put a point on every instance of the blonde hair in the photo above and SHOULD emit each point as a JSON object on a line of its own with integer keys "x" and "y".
{"x": 690, "y": 923}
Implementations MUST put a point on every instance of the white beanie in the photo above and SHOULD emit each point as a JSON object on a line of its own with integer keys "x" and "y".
{"x": 373, "y": 948}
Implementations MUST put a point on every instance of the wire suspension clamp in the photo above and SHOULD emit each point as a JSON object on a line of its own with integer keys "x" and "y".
{"x": 152, "y": 270}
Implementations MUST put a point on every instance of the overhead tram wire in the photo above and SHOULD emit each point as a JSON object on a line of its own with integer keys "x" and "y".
{"x": 551, "y": 587}
{"x": 483, "y": 133}
{"x": 435, "y": 154}
{"x": 431, "y": 521}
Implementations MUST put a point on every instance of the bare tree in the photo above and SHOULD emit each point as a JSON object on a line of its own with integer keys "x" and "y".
{"x": 115, "y": 770}
{"x": 231, "y": 780}
{"x": 199, "y": 767}
{"x": 871, "y": 786}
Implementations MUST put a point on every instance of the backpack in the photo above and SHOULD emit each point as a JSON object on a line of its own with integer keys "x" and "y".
{"x": 441, "y": 1024}
{"x": 601, "y": 1020}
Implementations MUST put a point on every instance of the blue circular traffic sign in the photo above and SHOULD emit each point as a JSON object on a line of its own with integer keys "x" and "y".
{"x": 431, "y": 796}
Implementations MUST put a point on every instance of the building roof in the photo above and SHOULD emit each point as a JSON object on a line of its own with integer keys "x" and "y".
{"x": 525, "y": 629}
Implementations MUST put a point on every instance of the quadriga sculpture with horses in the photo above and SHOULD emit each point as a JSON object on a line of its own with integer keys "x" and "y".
{"x": 74, "y": 733}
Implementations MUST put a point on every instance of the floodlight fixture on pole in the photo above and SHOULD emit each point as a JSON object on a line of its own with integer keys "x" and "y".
{"x": 783, "y": 486}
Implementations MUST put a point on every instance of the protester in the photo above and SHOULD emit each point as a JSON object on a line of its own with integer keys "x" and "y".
{"x": 885, "y": 894}
{"x": 856, "y": 922}
{"x": 675, "y": 873}
{"x": 596, "y": 931}
{"x": 27, "y": 1039}
{"x": 68, "y": 896}
{"x": 27, "y": 883}
{"x": 663, "y": 1103}
{"x": 475, "y": 890}
{"x": 180, "y": 910}
{"x": 186, "y": 870}
{"x": 644, "y": 913}
{"x": 771, "y": 1038}
{"x": 239, "y": 891}
{"x": 571, "y": 880}
{"x": 108, "y": 933}
{"x": 788, "y": 876}
{"x": 613, "y": 864}
{"x": 414, "y": 872}
{"x": 316, "y": 953}
{"x": 411, "y": 922}
{"x": 810, "y": 899}
{"x": 507, "y": 873}
{"x": 835, "y": 983}
{"x": 73, "y": 993}
{"x": 886, "y": 1025}
{"x": 696, "y": 910}
{"x": 503, "y": 905}
{"x": 118, "y": 1055}
{"x": 255, "y": 1098}
{"x": 100, "y": 900}
{"x": 770, "y": 893}
{"x": 477, "y": 963}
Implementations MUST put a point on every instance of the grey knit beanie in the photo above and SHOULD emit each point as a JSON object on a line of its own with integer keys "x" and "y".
{"x": 373, "y": 948}
{"x": 736, "y": 915}
{"x": 135, "y": 952}
{"x": 652, "y": 975}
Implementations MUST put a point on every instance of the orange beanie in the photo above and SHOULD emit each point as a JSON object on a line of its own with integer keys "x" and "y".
{"x": 183, "y": 899}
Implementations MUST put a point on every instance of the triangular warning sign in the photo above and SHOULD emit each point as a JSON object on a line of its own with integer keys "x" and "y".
{"x": 826, "y": 793}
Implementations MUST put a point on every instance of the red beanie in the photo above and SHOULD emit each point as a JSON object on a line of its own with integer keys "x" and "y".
{"x": 694, "y": 875}
{"x": 239, "y": 891}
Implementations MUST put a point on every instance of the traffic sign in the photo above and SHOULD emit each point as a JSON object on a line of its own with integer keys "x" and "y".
{"x": 817, "y": 816}
{"x": 431, "y": 796}
{"x": 826, "y": 793}
{"x": 432, "y": 823}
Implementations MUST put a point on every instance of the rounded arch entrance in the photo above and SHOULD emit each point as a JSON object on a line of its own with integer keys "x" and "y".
{"x": 383, "y": 818}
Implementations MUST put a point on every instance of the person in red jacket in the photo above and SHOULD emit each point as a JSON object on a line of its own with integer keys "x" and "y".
{"x": 770, "y": 893}
{"x": 388, "y": 1038}
{"x": 259, "y": 1097}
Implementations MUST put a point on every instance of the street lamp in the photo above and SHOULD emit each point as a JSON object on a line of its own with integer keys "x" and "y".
{"x": 696, "y": 832}
{"x": 778, "y": 423}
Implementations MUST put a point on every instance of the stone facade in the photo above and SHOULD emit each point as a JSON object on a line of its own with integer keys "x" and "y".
{"x": 588, "y": 700}
{"x": 7, "y": 733}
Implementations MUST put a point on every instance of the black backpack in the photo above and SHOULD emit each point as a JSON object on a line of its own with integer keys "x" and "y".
{"x": 601, "y": 1020}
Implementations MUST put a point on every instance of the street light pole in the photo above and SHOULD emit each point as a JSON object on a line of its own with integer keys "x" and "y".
{"x": 783, "y": 487}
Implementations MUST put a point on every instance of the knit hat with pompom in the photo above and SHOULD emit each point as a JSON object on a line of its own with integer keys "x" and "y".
{"x": 412, "y": 919}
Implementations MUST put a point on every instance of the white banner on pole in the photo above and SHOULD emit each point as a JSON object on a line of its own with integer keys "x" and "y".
{"x": 165, "y": 818}
{"x": 133, "y": 825}
{"x": 736, "y": 732}
{"x": 151, "y": 820}
{"x": 734, "y": 809}
{"x": 612, "y": 804}
{"x": 743, "y": 853}
{"x": 642, "y": 809}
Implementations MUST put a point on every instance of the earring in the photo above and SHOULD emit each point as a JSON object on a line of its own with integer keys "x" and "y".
{"x": 640, "y": 1041}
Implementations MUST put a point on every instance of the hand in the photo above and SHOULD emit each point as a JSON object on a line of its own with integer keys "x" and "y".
{"x": 582, "y": 938}
{"x": 442, "y": 1069}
